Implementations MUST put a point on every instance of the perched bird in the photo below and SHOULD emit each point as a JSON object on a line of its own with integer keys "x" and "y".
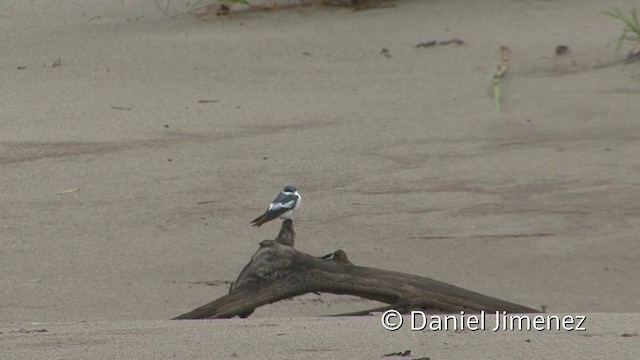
{"x": 283, "y": 206}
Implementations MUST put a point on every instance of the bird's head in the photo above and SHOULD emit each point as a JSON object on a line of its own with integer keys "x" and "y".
{"x": 289, "y": 189}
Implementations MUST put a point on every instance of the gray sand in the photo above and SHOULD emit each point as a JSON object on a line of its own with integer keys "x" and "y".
{"x": 401, "y": 160}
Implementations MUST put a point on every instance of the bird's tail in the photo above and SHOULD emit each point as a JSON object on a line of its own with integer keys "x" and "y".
{"x": 259, "y": 220}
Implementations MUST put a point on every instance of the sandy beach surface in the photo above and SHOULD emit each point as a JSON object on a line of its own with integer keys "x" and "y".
{"x": 610, "y": 335}
{"x": 135, "y": 149}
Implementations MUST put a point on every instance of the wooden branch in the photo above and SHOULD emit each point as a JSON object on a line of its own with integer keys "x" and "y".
{"x": 277, "y": 271}
{"x": 287, "y": 235}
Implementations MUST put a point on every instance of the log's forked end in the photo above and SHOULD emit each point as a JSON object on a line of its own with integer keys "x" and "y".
{"x": 266, "y": 243}
{"x": 341, "y": 256}
{"x": 338, "y": 256}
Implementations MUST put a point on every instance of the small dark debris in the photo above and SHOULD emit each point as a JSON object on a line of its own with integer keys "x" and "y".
{"x": 561, "y": 50}
{"x": 427, "y": 44}
{"x": 629, "y": 335}
{"x": 223, "y": 10}
{"x": 607, "y": 149}
{"x": 234, "y": 355}
{"x": 264, "y": 158}
{"x": 399, "y": 353}
{"x": 29, "y": 331}
{"x": 56, "y": 63}
{"x": 205, "y": 202}
{"x": 21, "y": 67}
{"x": 423, "y": 358}
{"x": 385, "y": 52}
{"x": 527, "y": 340}
{"x": 361, "y": 5}
{"x": 528, "y": 120}
{"x": 121, "y": 108}
{"x": 208, "y": 101}
{"x": 166, "y": 126}
{"x": 169, "y": 160}
{"x": 433, "y": 43}
{"x": 455, "y": 41}
{"x": 306, "y": 53}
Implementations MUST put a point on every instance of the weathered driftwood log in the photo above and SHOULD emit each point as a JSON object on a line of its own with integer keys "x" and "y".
{"x": 278, "y": 271}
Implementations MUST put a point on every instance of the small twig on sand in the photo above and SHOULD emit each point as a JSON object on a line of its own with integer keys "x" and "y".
{"x": 502, "y": 70}
{"x": 68, "y": 191}
{"x": 398, "y": 353}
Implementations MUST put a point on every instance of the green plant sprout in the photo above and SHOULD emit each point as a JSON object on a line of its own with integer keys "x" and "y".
{"x": 502, "y": 70}
{"x": 630, "y": 33}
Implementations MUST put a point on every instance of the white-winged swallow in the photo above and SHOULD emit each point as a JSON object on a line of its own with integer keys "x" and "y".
{"x": 283, "y": 206}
